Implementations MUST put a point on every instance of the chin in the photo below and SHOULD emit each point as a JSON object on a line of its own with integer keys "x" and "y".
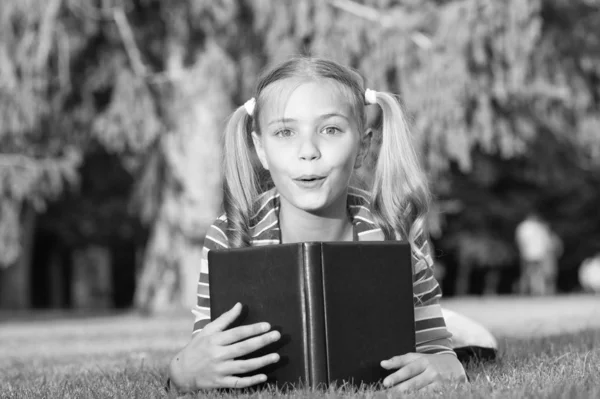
{"x": 310, "y": 206}
{"x": 308, "y": 202}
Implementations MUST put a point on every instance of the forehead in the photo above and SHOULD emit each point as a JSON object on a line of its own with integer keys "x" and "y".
{"x": 305, "y": 99}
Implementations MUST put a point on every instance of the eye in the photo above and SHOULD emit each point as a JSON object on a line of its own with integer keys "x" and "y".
{"x": 283, "y": 133}
{"x": 330, "y": 130}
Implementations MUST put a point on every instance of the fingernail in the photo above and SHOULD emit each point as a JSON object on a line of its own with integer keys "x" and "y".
{"x": 386, "y": 383}
{"x": 275, "y": 358}
{"x": 265, "y": 327}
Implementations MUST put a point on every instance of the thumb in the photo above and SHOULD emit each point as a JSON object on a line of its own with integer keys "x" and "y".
{"x": 222, "y": 322}
{"x": 397, "y": 362}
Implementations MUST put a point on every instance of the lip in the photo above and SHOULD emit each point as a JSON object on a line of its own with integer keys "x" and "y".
{"x": 309, "y": 177}
{"x": 309, "y": 181}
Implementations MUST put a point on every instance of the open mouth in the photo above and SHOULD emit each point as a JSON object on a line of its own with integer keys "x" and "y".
{"x": 310, "y": 178}
{"x": 311, "y": 182}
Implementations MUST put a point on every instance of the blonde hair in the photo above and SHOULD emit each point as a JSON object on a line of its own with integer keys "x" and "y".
{"x": 399, "y": 196}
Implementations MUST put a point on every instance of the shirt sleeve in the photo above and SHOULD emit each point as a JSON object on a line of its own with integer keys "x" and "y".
{"x": 431, "y": 334}
{"x": 215, "y": 239}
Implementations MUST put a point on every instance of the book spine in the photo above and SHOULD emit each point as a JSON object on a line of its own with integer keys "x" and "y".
{"x": 315, "y": 317}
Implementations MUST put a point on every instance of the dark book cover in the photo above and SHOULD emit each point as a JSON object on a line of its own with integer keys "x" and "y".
{"x": 341, "y": 307}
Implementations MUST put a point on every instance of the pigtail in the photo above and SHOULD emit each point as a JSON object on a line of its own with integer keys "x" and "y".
{"x": 240, "y": 180}
{"x": 401, "y": 195}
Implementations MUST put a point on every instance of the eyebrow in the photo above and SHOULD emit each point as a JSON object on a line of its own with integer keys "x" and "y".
{"x": 321, "y": 117}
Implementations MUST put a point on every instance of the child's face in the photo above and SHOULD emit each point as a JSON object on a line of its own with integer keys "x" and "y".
{"x": 310, "y": 144}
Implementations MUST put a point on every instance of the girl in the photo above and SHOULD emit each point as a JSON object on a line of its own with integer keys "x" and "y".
{"x": 307, "y": 125}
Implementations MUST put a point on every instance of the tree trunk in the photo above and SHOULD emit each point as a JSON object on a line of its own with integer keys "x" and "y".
{"x": 123, "y": 266}
{"x": 15, "y": 280}
{"x": 191, "y": 192}
{"x": 56, "y": 280}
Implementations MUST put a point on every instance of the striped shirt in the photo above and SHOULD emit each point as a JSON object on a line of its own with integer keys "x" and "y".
{"x": 432, "y": 335}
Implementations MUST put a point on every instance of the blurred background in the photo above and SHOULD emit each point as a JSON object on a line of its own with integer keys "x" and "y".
{"x": 111, "y": 114}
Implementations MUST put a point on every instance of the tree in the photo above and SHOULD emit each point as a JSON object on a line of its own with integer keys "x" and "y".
{"x": 152, "y": 83}
{"x": 486, "y": 83}
{"x": 130, "y": 76}
{"x": 34, "y": 165}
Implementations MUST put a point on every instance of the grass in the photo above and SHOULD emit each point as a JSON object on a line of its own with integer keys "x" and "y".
{"x": 125, "y": 356}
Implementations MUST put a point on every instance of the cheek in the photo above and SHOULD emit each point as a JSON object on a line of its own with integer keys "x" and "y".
{"x": 277, "y": 156}
{"x": 344, "y": 155}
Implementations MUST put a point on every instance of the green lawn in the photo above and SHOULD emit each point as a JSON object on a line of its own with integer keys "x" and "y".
{"x": 126, "y": 356}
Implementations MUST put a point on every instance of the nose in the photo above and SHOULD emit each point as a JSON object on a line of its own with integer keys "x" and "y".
{"x": 309, "y": 149}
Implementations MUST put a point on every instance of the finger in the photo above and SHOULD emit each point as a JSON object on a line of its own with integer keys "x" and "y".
{"x": 240, "y": 333}
{"x": 246, "y": 366}
{"x": 405, "y": 373}
{"x": 242, "y": 382}
{"x": 221, "y": 322}
{"x": 400, "y": 361}
{"x": 250, "y": 345}
{"x": 417, "y": 383}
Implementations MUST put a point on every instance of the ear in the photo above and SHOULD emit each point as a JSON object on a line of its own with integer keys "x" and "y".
{"x": 363, "y": 150}
{"x": 260, "y": 151}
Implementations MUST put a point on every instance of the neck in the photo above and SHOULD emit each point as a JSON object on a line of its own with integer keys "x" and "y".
{"x": 332, "y": 224}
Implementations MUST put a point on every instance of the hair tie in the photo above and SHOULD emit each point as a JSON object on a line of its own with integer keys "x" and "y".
{"x": 371, "y": 96}
{"x": 249, "y": 106}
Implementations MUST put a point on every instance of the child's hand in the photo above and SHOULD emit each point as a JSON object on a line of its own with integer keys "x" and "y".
{"x": 419, "y": 370}
{"x": 208, "y": 359}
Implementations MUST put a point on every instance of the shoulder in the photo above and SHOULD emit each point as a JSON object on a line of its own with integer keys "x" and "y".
{"x": 264, "y": 215}
{"x": 421, "y": 253}
{"x": 359, "y": 206}
{"x": 421, "y": 240}
{"x": 216, "y": 235}
{"x": 265, "y": 205}
{"x": 356, "y": 196}
{"x": 264, "y": 223}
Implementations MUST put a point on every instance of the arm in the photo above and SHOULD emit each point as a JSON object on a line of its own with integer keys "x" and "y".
{"x": 209, "y": 359}
{"x": 435, "y": 361}
{"x": 431, "y": 334}
{"x": 215, "y": 239}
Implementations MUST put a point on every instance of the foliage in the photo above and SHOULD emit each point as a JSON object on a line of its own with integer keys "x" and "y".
{"x": 508, "y": 90}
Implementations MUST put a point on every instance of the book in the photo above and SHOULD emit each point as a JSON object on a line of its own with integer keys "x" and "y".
{"x": 341, "y": 307}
